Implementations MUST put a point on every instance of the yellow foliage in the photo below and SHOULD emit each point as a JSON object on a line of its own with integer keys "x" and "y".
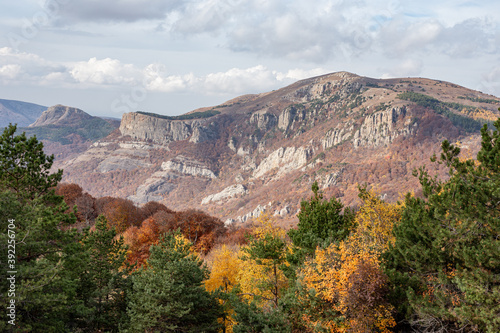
{"x": 374, "y": 223}
{"x": 254, "y": 278}
{"x": 348, "y": 275}
{"x": 264, "y": 224}
{"x": 224, "y": 274}
{"x": 225, "y": 269}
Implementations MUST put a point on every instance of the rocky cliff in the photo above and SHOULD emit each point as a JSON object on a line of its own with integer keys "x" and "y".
{"x": 262, "y": 152}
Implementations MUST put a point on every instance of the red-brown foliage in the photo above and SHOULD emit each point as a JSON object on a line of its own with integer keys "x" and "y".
{"x": 152, "y": 207}
{"x": 86, "y": 209}
{"x": 120, "y": 213}
{"x": 70, "y": 192}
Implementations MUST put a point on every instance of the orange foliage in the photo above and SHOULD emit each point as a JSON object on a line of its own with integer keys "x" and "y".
{"x": 348, "y": 275}
{"x": 140, "y": 240}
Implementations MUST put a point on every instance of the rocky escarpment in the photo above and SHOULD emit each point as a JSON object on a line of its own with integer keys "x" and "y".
{"x": 284, "y": 160}
{"x": 187, "y": 166}
{"x": 145, "y": 127}
{"x": 381, "y": 128}
{"x": 228, "y": 192}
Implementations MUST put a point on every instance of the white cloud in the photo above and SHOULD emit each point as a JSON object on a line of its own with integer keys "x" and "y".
{"x": 21, "y": 68}
{"x": 409, "y": 67}
{"x": 105, "y": 72}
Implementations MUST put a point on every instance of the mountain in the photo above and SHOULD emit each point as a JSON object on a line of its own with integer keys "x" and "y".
{"x": 66, "y": 131}
{"x": 262, "y": 152}
{"x": 20, "y": 113}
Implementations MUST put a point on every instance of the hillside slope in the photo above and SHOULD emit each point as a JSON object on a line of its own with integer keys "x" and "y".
{"x": 66, "y": 131}
{"x": 262, "y": 152}
{"x": 20, "y": 113}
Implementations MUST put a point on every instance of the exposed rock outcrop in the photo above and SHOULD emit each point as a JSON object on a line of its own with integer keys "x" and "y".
{"x": 380, "y": 128}
{"x": 286, "y": 159}
{"x": 263, "y": 119}
{"x": 336, "y": 136}
{"x": 289, "y": 116}
{"x": 188, "y": 166}
{"x": 228, "y": 192}
{"x": 144, "y": 127}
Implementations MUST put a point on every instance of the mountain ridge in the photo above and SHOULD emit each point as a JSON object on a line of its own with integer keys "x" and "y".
{"x": 18, "y": 112}
{"x": 261, "y": 152}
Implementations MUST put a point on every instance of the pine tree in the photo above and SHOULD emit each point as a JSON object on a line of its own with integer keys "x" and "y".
{"x": 321, "y": 222}
{"x": 41, "y": 245}
{"x": 102, "y": 282}
{"x": 24, "y": 167}
{"x": 445, "y": 263}
{"x": 168, "y": 295}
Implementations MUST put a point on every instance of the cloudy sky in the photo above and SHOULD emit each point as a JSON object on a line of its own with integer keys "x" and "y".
{"x": 108, "y": 57}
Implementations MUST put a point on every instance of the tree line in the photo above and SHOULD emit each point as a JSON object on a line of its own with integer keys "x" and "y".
{"x": 429, "y": 263}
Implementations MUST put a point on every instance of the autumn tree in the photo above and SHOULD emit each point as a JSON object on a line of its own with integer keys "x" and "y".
{"x": 346, "y": 278}
{"x": 70, "y": 192}
{"x": 200, "y": 228}
{"x": 224, "y": 273}
{"x": 444, "y": 264}
{"x": 152, "y": 207}
{"x": 120, "y": 213}
{"x": 85, "y": 209}
{"x": 261, "y": 280}
{"x": 140, "y": 239}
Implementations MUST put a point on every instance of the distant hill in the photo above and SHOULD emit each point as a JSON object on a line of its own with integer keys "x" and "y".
{"x": 262, "y": 152}
{"x": 20, "y": 113}
{"x": 67, "y": 130}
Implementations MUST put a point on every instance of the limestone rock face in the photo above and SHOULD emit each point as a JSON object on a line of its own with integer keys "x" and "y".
{"x": 289, "y": 116}
{"x": 336, "y": 136}
{"x": 188, "y": 166}
{"x": 202, "y": 133}
{"x": 143, "y": 127}
{"x": 380, "y": 128}
{"x": 152, "y": 190}
{"x": 263, "y": 119}
{"x": 228, "y": 192}
{"x": 286, "y": 159}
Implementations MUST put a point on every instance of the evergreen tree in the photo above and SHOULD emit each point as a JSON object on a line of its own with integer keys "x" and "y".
{"x": 24, "y": 167}
{"x": 41, "y": 245}
{"x": 321, "y": 222}
{"x": 445, "y": 263}
{"x": 168, "y": 295}
{"x": 102, "y": 282}
{"x": 41, "y": 251}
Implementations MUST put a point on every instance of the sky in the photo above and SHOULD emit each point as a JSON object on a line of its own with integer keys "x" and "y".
{"x": 108, "y": 57}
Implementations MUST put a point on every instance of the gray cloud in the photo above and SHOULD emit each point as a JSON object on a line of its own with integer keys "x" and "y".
{"x": 70, "y": 12}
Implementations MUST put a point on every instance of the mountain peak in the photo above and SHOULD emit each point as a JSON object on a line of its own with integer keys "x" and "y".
{"x": 61, "y": 115}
